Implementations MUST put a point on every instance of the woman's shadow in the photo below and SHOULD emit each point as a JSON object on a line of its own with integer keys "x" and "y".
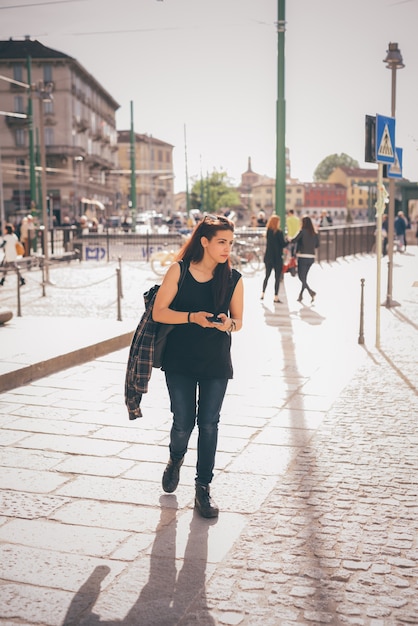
{"x": 167, "y": 596}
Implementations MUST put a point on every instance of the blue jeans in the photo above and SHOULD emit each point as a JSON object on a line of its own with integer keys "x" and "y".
{"x": 183, "y": 397}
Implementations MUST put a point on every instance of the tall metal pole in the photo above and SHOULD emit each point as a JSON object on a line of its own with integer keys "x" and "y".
{"x": 32, "y": 175}
{"x": 2, "y": 214}
{"x": 394, "y": 62}
{"x": 133, "y": 171}
{"x": 391, "y": 210}
{"x": 187, "y": 174}
{"x": 45, "y": 243}
{"x": 380, "y": 207}
{"x": 280, "y": 204}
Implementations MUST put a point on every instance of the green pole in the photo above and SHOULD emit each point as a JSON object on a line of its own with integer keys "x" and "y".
{"x": 187, "y": 174}
{"x": 202, "y": 190}
{"x": 281, "y": 120}
{"x": 208, "y": 195}
{"x": 38, "y": 163}
{"x": 133, "y": 174}
{"x": 32, "y": 176}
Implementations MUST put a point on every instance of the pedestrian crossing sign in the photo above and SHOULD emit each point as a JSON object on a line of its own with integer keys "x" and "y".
{"x": 385, "y": 139}
{"x": 395, "y": 169}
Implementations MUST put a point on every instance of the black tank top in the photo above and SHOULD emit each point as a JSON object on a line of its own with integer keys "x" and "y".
{"x": 192, "y": 350}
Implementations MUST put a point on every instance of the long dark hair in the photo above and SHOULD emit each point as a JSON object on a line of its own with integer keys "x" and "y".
{"x": 307, "y": 225}
{"x": 192, "y": 252}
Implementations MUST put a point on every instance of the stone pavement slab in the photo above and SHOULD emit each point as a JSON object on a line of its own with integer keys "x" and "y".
{"x": 316, "y": 478}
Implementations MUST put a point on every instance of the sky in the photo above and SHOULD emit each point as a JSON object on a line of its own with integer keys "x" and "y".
{"x": 202, "y": 74}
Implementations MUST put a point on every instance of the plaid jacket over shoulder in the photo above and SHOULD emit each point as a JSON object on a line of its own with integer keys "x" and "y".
{"x": 141, "y": 354}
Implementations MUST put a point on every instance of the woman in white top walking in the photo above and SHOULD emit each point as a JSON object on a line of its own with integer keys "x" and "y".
{"x": 10, "y": 254}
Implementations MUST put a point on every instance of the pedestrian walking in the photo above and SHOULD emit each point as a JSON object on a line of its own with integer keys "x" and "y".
{"x": 197, "y": 357}
{"x": 8, "y": 245}
{"x": 27, "y": 230}
{"x": 307, "y": 241}
{"x": 273, "y": 256}
{"x": 292, "y": 229}
{"x": 385, "y": 228}
{"x": 261, "y": 219}
{"x": 400, "y": 230}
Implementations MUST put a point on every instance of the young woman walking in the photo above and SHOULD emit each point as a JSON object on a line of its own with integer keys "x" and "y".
{"x": 8, "y": 244}
{"x": 273, "y": 257}
{"x": 306, "y": 242}
{"x": 197, "y": 357}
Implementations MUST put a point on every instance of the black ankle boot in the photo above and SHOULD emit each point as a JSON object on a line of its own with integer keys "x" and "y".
{"x": 204, "y": 503}
{"x": 2, "y": 281}
{"x": 171, "y": 475}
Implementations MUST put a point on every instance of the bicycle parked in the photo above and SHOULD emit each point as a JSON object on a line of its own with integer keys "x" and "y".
{"x": 161, "y": 260}
{"x": 246, "y": 257}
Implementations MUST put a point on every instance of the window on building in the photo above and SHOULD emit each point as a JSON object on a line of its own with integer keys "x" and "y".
{"x": 20, "y": 167}
{"x": 49, "y": 136}
{"x": 77, "y": 109}
{"x": 47, "y": 70}
{"x": 19, "y": 107}
{"x": 20, "y": 137}
{"x": 18, "y": 72}
{"x": 49, "y": 107}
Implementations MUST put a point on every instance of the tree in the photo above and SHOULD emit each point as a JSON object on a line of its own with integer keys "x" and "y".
{"x": 328, "y": 165}
{"x": 214, "y": 193}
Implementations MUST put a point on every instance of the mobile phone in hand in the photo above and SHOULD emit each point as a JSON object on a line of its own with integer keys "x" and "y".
{"x": 214, "y": 319}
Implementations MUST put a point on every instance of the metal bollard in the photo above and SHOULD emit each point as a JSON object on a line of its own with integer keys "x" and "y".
{"x": 120, "y": 268}
{"x": 43, "y": 277}
{"x": 361, "y": 332}
{"x": 19, "y": 307}
{"x": 119, "y": 289}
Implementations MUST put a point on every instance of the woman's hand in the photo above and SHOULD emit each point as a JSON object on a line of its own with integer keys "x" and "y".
{"x": 202, "y": 318}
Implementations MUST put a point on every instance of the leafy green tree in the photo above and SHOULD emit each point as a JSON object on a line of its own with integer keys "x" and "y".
{"x": 328, "y": 165}
{"x": 214, "y": 193}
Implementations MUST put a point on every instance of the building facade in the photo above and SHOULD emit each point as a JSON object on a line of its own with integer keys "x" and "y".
{"x": 154, "y": 174}
{"x": 77, "y": 116}
{"x": 361, "y": 185}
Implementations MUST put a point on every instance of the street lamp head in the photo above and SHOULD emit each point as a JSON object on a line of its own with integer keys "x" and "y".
{"x": 394, "y": 59}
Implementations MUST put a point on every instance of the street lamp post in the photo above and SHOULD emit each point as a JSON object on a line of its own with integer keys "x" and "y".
{"x": 44, "y": 94}
{"x": 394, "y": 62}
{"x": 280, "y": 190}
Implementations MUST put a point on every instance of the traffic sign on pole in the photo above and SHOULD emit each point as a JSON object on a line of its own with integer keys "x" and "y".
{"x": 385, "y": 139}
{"x": 394, "y": 170}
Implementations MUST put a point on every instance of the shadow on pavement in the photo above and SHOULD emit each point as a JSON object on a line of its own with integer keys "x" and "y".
{"x": 398, "y": 371}
{"x": 297, "y": 510}
{"x": 167, "y": 595}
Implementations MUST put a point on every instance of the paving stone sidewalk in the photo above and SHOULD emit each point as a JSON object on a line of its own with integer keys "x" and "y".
{"x": 316, "y": 478}
{"x": 336, "y": 542}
